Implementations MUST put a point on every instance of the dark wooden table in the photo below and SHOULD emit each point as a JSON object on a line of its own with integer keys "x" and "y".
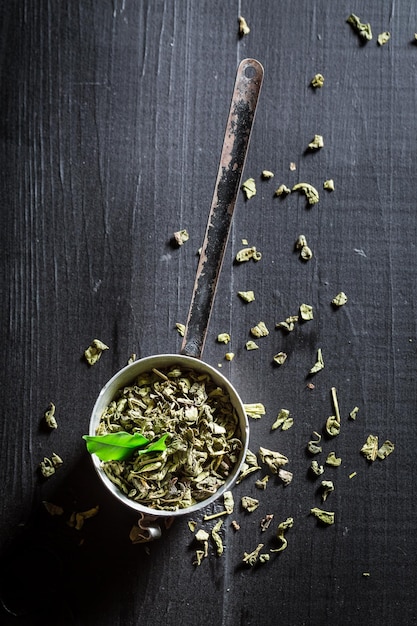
{"x": 112, "y": 117}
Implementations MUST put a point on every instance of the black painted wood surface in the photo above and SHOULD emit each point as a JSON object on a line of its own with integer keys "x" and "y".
{"x": 112, "y": 119}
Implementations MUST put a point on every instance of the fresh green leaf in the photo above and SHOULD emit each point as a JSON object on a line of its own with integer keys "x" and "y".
{"x": 157, "y": 446}
{"x": 115, "y": 446}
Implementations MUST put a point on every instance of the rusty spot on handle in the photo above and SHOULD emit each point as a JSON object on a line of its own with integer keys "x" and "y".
{"x": 236, "y": 140}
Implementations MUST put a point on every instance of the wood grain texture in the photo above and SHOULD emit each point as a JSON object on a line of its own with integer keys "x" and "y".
{"x": 112, "y": 118}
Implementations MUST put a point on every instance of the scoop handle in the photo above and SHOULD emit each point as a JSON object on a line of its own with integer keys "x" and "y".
{"x": 235, "y": 145}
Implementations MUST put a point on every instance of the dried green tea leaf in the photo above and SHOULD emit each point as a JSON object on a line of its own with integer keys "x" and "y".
{"x": 340, "y": 299}
{"x": 249, "y": 504}
{"x": 235, "y": 525}
{"x": 181, "y": 236}
{"x": 260, "y": 330}
{"x": 383, "y": 38}
{"x": 352, "y": 474}
{"x": 306, "y": 312}
{"x": 316, "y": 144}
{"x": 313, "y": 445}
{"x": 56, "y": 460}
{"x": 246, "y": 471}
{"x": 280, "y": 358}
{"x": 216, "y": 537}
{"x": 363, "y": 30}
{"x": 53, "y": 509}
{"x": 206, "y": 518}
{"x": 262, "y": 483}
{"x": 282, "y": 190}
{"x": 354, "y": 413}
{"x": 309, "y": 191}
{"x": 329, "y": 184}
{"x": 273, "y": 459}
{"x": 228, "y": 501}
{"x": 370, "y": 448}
{"x": 251, "y": 345}
{"x": 247, "y": 296}
{"x": 282, "y": 528}
{"x": 333, "y": 460}
{"x": 180, "y": 328}
{"x": 305, "y": 251}
{"x": 77, "y": 519}
{"x": 332, "y": 426}
{"x": 255, "y": 410}
{"x": 243, "y": 27}
{"x": 319, "y": 364}
{"x": 293, "y": 166}
{"x": 50, "y": 416}
{"x": 131, "y": 359}
{"x": 326, "y": 517}
{"x": 251, "y": 459}
{"x": 93, "y": 353}
{"x": 199, "y": 556}
{"x": 223, "y": 338}
{"x": 327, "y": 487}
{"x": 316, "y": 468}
{"x": 252, "y": 557}
{"x": 248, "y": 253}
{"x": 266, "y": 522}
{"x": 202, "y": 535}
{"x": 288, "y": 324}
{"x": 386, "y": 449}
{"x": 249, "y": 188}
{"x": 267, "y": 174}
{"x": 283, "y": 421}
{"x": 229, "y": 356}
{"x": 192, "y": 525}
{"x": 285, "y": 476}
{"x": 317, "y": 81}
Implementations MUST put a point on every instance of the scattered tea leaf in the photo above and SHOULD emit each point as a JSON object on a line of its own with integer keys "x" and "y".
{"x": 386, "y": 449}
{"x": 216, "y": 537}
{"x": 306, "y": 312}
{"x": 370, "y": 448}
{"x": 317, "y": 81}
{"x": 93, "y": 353}
{"x": 313, "y": 445}
{"x": 252, "y": 557}
{"x": 329, "y": 184}
{"x": 280, "y": 358}
{"x": 283, "y": 421}
{"x": 229, "y": 356}
{"x": 363, "y": 30}
{"x": 50, "y": 416}
{"x": 249, "y": 504}
{"x": 333, "y": 460}
{"x": 282, "y": 190}
{"x": 273, "y": 459}
{"x": 354, "y": 413}
{"x": 319, "y": 364}
{"x": 262, "y": 483}
{"x": 243, "y": 27}
{"x": 249, "y": 188}
{"x": 267, "y": 174}
{"x": 180, "y": 328}
{"x": 309, "y": 191}
{"x": 305, "y": 251}
{"x": 327, "y": 487}
{"x": 247, "y": 296}
{"x": 181, "y": 236}
{"x": 285, "y": 476}
{"x": 282, "y": 528}
{"x": 326, "y": 517}
{"x": 251, "y": 345}
{"x": 288, "y": 324}
{"x": 384, "y": 38}
{"x": 266, "y": 522}
{"x": 254, "y": 410}
{"x": 316, "y": 144}
{"x": 316, "y": 468}
{"x": 260, "y": 330}
{"x": 340, "y": 299}
{"x": 53, "y": 509}
{"x": 246, "y": 254}
{"x": 223, "y": 338}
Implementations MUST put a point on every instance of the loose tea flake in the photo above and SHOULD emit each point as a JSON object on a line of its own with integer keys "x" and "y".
{"x": 326, "y": 517}
{"x": 247, "y": 296}
{"x": 370, "y": 448}
{"x": 50, "y": 416}
{"x": 316, "y": 143}
{"x": 243, "y": 27}
{"x": 333, "y": 460}
{"x": 273, "y": 459}
{"x": 309, "y": 191}
{"x": 216, "y": 537}
{"x": 363, "y": 30}
{"x": 283, "y": 421}
{"x": 53, "y": 509}
{"x": 317, "y": 81}
{"x": 93, "y": 353}
{"x": 251, "y": 345}
{"x": 340, "y": 299}
{"x": 282, "y": 528}
{"x": 262, "y": 483}
{"x": 252, "y": 557}
{"x": 305, "y": 251}
{"x": 255, "y": 410}
{"x": 329, "y": 184}
{"x": 313, "y": 445}
{"x": 223, "y": 338}
{"x": 316, "y": 468}
{"x": 267, "y": 174}
{"x": 282, "y": 190}
{"x": 181, "y": 236}
{"x": 280, "y": 358}
{"x": 229, "y": 356}
{"x": 327, "y": 487}
{"x": 354, "y": 413}
{"x": 288, "y": 324}
{"x": 246, "y": 254}
{"x": 260, "y": 330}
{"x": 249, "y": 504}
{"x": 285, "y": 476}
{"x": 386, "y": 449}
{"x": 319, "y": 364}
{"x": 180, "y": 328}
{"x": 266, "y": 522}
{"x": 249, "y": 188}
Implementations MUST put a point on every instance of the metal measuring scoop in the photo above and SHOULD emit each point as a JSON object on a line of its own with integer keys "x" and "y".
{"x": 236, "y": 140}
